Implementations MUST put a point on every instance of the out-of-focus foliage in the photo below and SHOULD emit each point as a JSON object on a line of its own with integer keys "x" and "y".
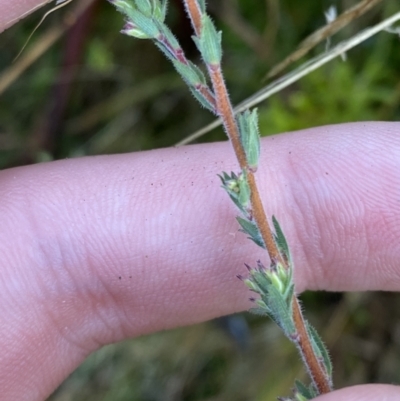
{"x": 97, "y": 91}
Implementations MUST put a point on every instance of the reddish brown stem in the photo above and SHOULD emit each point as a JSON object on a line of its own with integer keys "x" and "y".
{"x": 316, "y": 371}
{"x": 226, "y": 113}
{"x": 205, "y": 91}
{"x": 194, "y": 12}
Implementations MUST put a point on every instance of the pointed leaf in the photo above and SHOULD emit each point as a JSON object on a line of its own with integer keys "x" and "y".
{"x": 202, "y": 4}
{"x": 160, "y": 9}
{"x": 130, "y": 30}
{"x": 282, "y": 311}
{"x": 205, "y": 103}
{"x": 210, "y": 42}
{"x": 200, "y": 73}
{"x": 261, "y": 312}
{"x": 169, "y": 39}
{"x": 122, "y": 6}
{"x": 320, "y": 348}
{"x": 251, "y": 229}
{"x": 307, "y": 392}
{"x": 144, "y": 23}
{"x": 249, "y": 136}
{"x": 280, "y": 239}
{"x": 244, "y": 191}
{"x": 188, "y": 73}
{"x": 144, "y": 6}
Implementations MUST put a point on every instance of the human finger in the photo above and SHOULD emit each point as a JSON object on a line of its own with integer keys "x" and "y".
{"x": 368, "y": 392}
{"x": 98, "y": 249}
{"x": 13, "y": 11}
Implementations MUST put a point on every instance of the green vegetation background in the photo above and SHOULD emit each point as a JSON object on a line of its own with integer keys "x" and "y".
{"x": 97, "y": 92}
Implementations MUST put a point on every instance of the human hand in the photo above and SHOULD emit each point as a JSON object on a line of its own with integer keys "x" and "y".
{"x": 95, "y": 250}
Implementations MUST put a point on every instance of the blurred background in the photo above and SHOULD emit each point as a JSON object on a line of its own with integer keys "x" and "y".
{"x": 81, "y": 88}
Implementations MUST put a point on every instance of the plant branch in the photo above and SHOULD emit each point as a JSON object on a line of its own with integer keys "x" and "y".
{"x": 275, "y": 286}
{"x": 225, "y": 111}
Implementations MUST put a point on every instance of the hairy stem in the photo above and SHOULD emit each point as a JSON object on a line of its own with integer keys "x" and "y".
{"x": 194, "y": 11}
{"x": 207, "y": 95}
{"x": 225, "y": 111}
{"x": 314, "y": 366}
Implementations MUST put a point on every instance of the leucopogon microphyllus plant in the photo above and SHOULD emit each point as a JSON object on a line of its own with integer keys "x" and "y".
{"x": 272, "y": 282}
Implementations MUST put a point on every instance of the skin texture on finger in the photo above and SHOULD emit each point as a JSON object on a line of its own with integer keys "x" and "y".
{"x": 15, "y": 10}
{"x": 369, "y": 392}
{"x": 98, "y": 249}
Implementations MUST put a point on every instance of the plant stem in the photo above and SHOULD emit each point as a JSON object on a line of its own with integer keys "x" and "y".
{"x": 194, "y": 11}
{"x": 225, "y": 111}
{"x": 315, "y": 369}
{"x": 207, "y": 95}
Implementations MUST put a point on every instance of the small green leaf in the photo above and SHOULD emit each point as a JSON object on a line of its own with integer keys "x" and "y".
{"x": 122, "y": 6}
{"x": 231, "y": 185}
{"x": 160, "y": 9}
{"x": 250, "y": 228}
{"x": 200, "y": 73}
{"x": 239, "y": 190}
{"x": 249, "y": 136}
{"x": 321, "y": 350}
{"x": 307, "y": 392}
{"x": 209, "y": 42}
{"x": 196, "y": 41}
{"x": 276, "y": 281}
{"x": 203, "y": 101}
{"x": 244, "y": 191}
{"x": 131, "y": 30}
{"x": 262, "y": 280}
{"x": 299, "y": 397}
{"x": 202, "y": 4}
{"x": 144, "y": 6}
{"x": 285, "y": 276}
{"x": 279, "y": 303}
{"x": 189, "y": 74}
{"x": 282, "y": 311}
{"x": 251, "y": 285}
{"x": 169, "y": 40}
{"x": 143, "y": 23}
{"x": 280, "y": 239}
{"x": 261, "y": 312}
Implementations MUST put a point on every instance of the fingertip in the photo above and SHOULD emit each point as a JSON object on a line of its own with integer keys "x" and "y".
{"x": 13, "y": 11}
{"x": 370, "y": 392}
